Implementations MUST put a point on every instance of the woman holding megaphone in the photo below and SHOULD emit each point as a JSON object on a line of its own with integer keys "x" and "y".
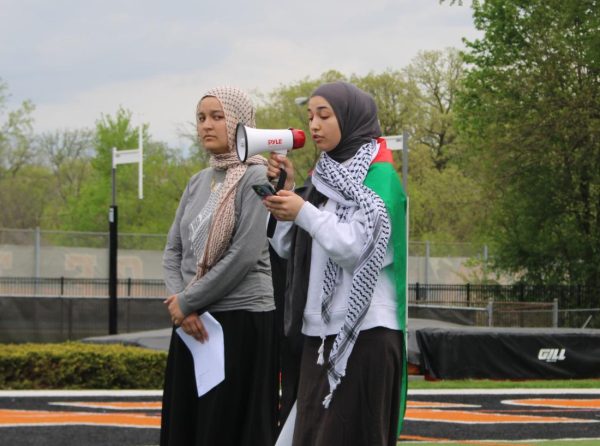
{"x": 216, "y": 262}
{"x": 344, "y": 235}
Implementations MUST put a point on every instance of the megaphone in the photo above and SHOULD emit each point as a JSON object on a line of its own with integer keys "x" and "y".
{"x": 251, "y": 141}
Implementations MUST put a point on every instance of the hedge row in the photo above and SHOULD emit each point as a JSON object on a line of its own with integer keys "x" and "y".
{"x": 75, "y": 365}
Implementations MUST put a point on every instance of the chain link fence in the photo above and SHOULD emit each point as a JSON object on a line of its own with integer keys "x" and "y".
{"x": 40, "y": 253}
{"x": 66, "y": 274}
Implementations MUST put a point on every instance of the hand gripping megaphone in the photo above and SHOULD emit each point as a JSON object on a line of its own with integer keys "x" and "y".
{"x": 251, "y": 141}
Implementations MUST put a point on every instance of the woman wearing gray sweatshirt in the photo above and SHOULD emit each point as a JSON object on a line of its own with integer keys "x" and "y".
{"x": 217, "y": 260}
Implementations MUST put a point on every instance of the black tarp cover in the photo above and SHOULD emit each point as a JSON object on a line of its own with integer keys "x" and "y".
{"x": 505, "y": 353}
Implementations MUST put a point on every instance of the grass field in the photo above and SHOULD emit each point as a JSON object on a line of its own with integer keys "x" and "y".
{"x": 505, "y": 443}
{"x": 493, "y": 384}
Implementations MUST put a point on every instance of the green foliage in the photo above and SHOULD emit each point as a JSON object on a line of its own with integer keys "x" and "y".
{"x": 165, "y": 175}
{"x": 16, "y": 133}
{"x": 66, "y": 154}
{"x": 24, "y": 197}
{"x": 23, "y": 186}
{"x": 75, "y": 365}
{"x": 445, "y": 202}
{"x": 73, "y": 179}
{"x": 434, "y": 79}
{"x": 445, "y": 205}
{"x": 394, "y": 96}
{"x": 530, "y": 115}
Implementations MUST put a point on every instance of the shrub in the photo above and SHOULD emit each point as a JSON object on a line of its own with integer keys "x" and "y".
{"x": 75, "y": 365}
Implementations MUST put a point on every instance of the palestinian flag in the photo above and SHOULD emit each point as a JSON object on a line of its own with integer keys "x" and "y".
{"x": 383, "y": 179}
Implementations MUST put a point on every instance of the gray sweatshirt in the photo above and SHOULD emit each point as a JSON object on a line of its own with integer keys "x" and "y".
{"x": 241, "y": 280}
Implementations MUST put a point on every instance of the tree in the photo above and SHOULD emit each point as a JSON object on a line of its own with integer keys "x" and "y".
{"x": 89, "y": 210}
{"x": 165, "y": 175}
{"x": 393, "y": 95}
{"x": 24, "y": 188}
{"x": 445, "y": 203}
{"x": 15, "y": 135}
{"x": 68, "y": 154}
{"x": 445, "y": 206}
{"x": 435, "y": 78}
{"x": 25, "y": 196}
{"x": 530, "y": 113}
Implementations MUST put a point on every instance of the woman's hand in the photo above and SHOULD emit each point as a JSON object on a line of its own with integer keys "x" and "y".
{"x": 172, "y": 304}
{"x": 193, "y": 325}
{"x": 285, "y": 205}
{"x": 277, "y": 161}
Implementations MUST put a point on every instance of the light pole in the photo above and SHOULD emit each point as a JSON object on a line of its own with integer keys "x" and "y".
{"x": 120, "y": 157}
{"x": 302, "y": 100}
{"x": 400, "y": 142}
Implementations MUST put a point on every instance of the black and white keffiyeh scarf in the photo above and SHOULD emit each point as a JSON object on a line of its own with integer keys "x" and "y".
{"x": 344, "y": 184}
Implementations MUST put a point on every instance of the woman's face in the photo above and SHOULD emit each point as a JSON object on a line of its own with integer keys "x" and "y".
{"x": 211, "y": 126}
{"x": 324, "y": 127}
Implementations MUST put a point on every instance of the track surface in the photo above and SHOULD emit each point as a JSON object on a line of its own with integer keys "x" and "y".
{"x": 503, "y": 415}
{"x": 133, "y": 418}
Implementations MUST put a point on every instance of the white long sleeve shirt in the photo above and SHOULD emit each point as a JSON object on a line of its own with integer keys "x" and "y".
{"x": 342, "y": 242}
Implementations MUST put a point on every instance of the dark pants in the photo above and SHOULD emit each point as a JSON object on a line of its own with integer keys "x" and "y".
{"x": 365, "y": 406}
{"x": 240, "y": 411}
{"x": 290, "y": 346}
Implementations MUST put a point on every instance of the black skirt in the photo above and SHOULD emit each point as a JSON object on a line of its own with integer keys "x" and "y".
{"x": 241, "y": 410}
{"x": 365, "y": 406}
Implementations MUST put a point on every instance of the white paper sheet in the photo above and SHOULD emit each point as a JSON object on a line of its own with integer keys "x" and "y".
{"x": 287, "y": 431}
{"x": 209, "y": 358}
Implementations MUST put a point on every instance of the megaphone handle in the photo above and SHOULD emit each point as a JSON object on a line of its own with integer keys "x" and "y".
{"x": 272, "y": 221}
{"x": 281, "y": 180}
{"x": 271, "y": 226}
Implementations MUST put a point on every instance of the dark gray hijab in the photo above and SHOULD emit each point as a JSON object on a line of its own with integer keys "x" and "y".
{"x": 356, "y": 114}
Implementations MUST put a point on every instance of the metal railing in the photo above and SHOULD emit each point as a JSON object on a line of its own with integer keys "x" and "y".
{"x": 465, "y": 295}
{"x": 567, "y": 296}
{"x": 467, "y": 304}
{"x": 63, "y": 286}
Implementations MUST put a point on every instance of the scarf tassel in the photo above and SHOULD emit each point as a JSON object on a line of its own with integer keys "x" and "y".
{"x": 327, "y": 400}
{"x": 321, "y": 358}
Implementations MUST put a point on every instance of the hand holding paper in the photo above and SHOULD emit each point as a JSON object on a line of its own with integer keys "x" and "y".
{"x": 209, "y": 357}
{"x": 194, "y": 327}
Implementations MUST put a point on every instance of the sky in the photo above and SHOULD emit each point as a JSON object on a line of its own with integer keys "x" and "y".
{"x": 77, "y": 60}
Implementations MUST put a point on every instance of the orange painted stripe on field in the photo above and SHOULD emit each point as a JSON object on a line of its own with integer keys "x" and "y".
{"x": 43, "y": 417}
{"x": 436, "y": 405}
{"x": 115, "y": 405}
{"x": 419, "y": 438}
{"x": 472, "y": 417}
{"x": 555, "y": 402}
{"x": 444, "y": 440}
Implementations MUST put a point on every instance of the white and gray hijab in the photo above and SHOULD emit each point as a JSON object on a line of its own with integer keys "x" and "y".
{"x": 237, "y": 107}
{"x": 356, "y": 113}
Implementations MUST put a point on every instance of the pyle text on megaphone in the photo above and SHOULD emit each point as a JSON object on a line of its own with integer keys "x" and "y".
{"x": 251, "y": 141}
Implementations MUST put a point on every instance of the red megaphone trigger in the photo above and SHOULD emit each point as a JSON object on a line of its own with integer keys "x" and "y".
{"x": 299, "y": 138}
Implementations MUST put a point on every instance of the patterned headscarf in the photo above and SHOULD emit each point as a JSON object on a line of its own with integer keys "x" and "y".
{"x": 237, "y": 107}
